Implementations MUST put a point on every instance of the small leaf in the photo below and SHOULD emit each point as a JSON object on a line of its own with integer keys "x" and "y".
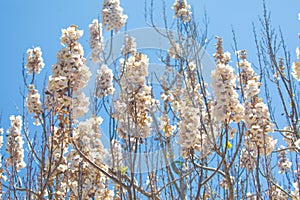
{"x": 229, "y": 145}
{"x": 124, "y": 170}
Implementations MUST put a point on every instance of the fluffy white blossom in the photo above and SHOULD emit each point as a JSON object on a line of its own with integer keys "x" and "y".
{"x": 136, "y": 69}
{"x": 165, "y": 126}
{"x": 70, "y": 75}
{"x": 112, "y": 15}
{"x": 129, "y": 47}
{"x": 256, "y": 118}
{"x": 283, "y": 163}
{"x": 135, "y": 103}
{"x": 104, "y": 82}
{"x": 67, "y": 103}
{"x": 87, "y": 138}
{"x": 187, "y": 101}
{"x": 59, "y": 83}
{"x": 182, "y": 10}
{"x": 14, "y": 144}
{"x": 221, "y": 56}
{"x": 298, "y": 53}
{"x": 252, "y": 88}
{"x": 248, "y": 158}
{"x": 71, "y": 67}
{"x": 35, "y": 61}
{"x": 33, "y": 101}
{"x": 70, "y": 35}
{"x": 297, "y": 144}
{"x": 296, "y": 70}
{"x": 227, "y": 106}
{"x": 290, "y": 138}
{"x": 248, "y": 77}
{"x": 192, "y": 136}
{"x": 296, "y": 66}
{"x": 80, "y": 105}
{"x": 96, "y": 41}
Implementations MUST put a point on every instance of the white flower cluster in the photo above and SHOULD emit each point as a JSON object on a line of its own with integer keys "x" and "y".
{"x": 70, "y": 70}
{"x": 70, "y": 35}
{"x": 104, "y": 82}
{"x": 248, "y": 158}
{"x": 87, "y": 138}
{"x": 291, "y": 139}
{"x": 33, "y": 101}
{"x": 257, "y": 119}
{"x": 227, "y": 106}
{"x": 80, "y": 105}
{"x": 35, "y": 61}
{"x": 133, "y": 108}
{"x": 70, "y": 74}
{"x": 248, "y": 77}
{"x": 187, "y": 101}
{"x": 192, "y": 137}
{"x": 182, "y": 10}
{"x": 296, "y": 66}
{"x": 112, "y": 15}
{"x": 129, "y": 47}
{"x": 257, "y": 116}
{"x": 135, "y": 70}
{"x": 283, "y": 163}
{"x": 165, "y": 126}
{"x": 66, "y": 102}
{"x": 14, "y": 144}
{"x": 96, "y": 41}
{"x": 220, "y": 56}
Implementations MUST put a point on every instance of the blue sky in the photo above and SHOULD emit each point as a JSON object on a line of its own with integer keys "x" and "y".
{"x": 29, "y": 23}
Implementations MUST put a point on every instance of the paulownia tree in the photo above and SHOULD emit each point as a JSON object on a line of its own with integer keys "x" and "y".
{"x": 214, "y": 141}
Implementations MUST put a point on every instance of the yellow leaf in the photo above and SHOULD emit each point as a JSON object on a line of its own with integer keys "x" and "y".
{"x": 124, "y": 170}
{"x": 229, "y": 145}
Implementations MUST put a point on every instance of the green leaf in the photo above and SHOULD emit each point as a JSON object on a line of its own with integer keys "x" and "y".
{"x": 124, "y": 170}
